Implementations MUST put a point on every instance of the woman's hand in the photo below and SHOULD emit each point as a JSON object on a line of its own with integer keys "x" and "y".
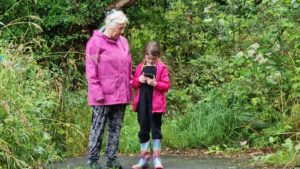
{"x": 142, "y": 79}
{"x": 101, "y": 100}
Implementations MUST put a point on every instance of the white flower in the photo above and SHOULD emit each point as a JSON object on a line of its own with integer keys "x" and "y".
{"x": 274, "y": 78}
{"x": 240, "y": 54}
{"x": 254, "y": 46}
{"x": 207, "y": 20}
{"x": 263, "y": 60}
{"x": 221, "y": 21}
{"x": 270, "y": 79}
{"x": 277, "y": 74}
{"x": 277, "y": 48}
{"x": 206, "y": 9}
{"x": 259, "y": 57}
{"x": 269, "y": 54}
{"x": 251, "y": 53}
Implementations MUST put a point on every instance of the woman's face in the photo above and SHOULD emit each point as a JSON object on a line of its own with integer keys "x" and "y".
{"x": 117, "y": 30}
{"x": 151, "y": 60}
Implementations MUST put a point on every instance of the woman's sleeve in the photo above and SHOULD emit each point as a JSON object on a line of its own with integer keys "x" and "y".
{"x": 91, "y": 67}
{"x": 163, "y": 84}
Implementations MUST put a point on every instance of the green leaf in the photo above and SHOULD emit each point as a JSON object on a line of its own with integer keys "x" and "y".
{"x": 297, "y": 147}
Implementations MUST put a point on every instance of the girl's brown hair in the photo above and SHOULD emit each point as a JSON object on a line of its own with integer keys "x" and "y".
{"x": 152, "y": 48}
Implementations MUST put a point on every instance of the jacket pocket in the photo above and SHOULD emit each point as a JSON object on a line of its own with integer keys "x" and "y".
{"x": 108, "y": 86}
{"x": 158, "y": 101}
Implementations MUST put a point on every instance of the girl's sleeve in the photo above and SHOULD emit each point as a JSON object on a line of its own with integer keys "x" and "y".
{"x": 135, "y": 83}
{"x": 163, "y": 84}
{"x": 125, "y": 41}
{"x": 91, "y": 69}
{"x": 130, "y": 77}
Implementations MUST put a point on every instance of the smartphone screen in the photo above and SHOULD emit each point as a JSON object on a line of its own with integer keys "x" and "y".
{"x": 149, "y": 75}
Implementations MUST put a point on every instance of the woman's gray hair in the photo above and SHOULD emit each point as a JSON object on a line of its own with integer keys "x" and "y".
{"x": 115, "y": 17}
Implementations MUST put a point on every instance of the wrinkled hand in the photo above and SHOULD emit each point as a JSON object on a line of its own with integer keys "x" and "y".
{"x": 100, "y": 100}
{"x": 142, "y": 79}
{"x": 151, "y": 82}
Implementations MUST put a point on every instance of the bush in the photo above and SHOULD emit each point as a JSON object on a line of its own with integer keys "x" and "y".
{"x": 27, "y": 100}
{"x": 41, "y": 119}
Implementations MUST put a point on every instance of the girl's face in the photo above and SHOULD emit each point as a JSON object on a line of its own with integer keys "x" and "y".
{"x": 151, "y": 60}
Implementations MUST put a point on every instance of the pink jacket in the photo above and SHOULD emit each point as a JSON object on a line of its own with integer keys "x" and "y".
{"x": 159, "y": 101}
{"x": 108, "y": 70}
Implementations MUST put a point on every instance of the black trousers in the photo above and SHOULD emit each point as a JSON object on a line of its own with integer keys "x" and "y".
{"x": 148, "y": 120}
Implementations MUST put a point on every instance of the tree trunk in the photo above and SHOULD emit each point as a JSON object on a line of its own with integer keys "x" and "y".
{"x": 118, "y": 4}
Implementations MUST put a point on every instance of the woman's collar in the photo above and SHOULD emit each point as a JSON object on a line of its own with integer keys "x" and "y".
{"x": 108, "y": 39}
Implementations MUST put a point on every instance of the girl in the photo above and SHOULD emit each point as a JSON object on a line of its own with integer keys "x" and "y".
{"x": 151, "y": 79}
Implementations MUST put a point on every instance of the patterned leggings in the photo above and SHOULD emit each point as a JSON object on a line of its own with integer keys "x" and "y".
{"x": 114, "y": 114}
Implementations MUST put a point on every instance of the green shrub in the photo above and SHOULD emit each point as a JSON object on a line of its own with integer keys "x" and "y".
{"x": 27, "y": 100}
{"x": 42, "y": 121}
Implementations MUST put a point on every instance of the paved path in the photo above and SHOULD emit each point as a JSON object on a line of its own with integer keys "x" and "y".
{"x": 170, "y": 162}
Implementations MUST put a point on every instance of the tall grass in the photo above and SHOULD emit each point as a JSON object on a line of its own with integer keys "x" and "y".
{"x": 203, "y": 124}
{"x": 27, "y": 100}
{"x": 129, "y": 136}
{"x": 41, "y": 120}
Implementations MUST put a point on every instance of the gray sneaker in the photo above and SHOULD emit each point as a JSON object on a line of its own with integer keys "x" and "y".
{"x": 113, "y": 164}
{"x": 93, "y": 164}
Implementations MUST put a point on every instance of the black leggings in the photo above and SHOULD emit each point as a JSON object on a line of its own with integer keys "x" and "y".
{"x": 148, "y": 120}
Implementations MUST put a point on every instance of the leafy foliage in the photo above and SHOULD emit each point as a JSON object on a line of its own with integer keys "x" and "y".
{"x": 246, "y": 53}
{"x": 234, "y": 67}
{"x": 27, "y": 102}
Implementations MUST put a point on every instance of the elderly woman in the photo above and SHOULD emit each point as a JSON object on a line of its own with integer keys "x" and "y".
{"x": 108, "y": 72}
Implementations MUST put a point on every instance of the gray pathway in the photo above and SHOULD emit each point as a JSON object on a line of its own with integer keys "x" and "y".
{"x": 170, "y": 162}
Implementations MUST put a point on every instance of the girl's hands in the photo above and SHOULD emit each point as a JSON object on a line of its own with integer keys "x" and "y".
{"x": 151, "y": 82}
{"x": 142, "y": 79}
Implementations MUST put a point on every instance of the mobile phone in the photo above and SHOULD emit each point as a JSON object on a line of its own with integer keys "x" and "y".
{"x": 151, "y": 76}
